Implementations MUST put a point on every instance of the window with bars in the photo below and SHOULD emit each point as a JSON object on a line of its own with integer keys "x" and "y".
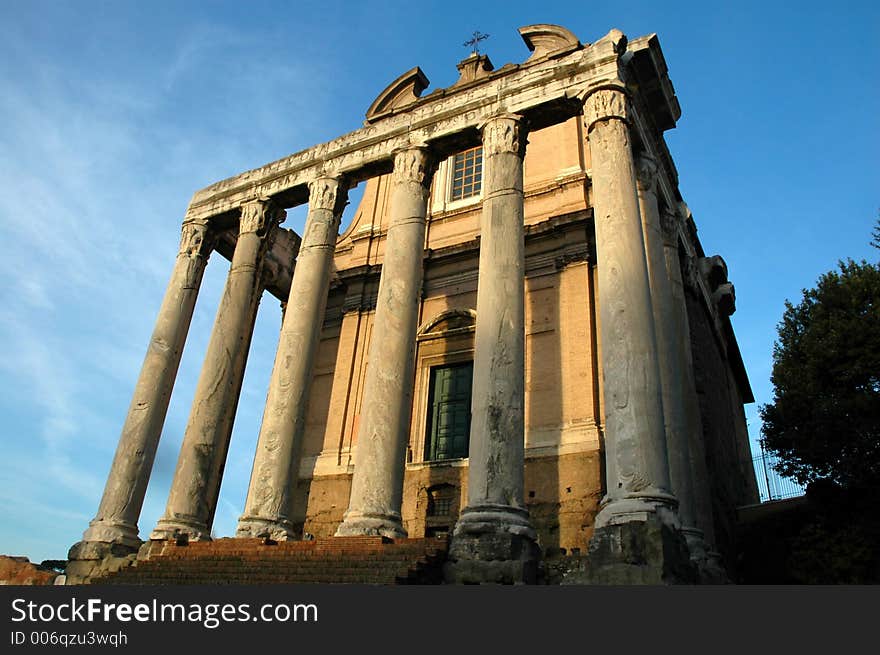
{"x": 467, "y": 173}
{"x": 440, "y": 507}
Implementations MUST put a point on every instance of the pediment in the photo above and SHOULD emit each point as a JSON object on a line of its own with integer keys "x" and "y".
{"x": 403, "y": 91}
{"x": 451, "y": 321}
{"x": 545, "y": 39}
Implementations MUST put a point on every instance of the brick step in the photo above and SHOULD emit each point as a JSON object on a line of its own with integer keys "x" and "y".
{"x": 346, "y": 560}
{"x": 298, "y": 557}
{"x": 401, "y": 567}
{"x": 247, "y": 580}
{"x": 282, "y": 562}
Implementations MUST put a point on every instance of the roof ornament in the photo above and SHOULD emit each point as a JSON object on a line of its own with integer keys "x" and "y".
{"x": 474, "y": 41}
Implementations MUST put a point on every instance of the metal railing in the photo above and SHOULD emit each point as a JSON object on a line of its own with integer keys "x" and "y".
{"x": 771, "y": 485}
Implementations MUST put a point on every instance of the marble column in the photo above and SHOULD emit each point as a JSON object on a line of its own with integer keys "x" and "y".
{"x": 276, "y": 464}
{"x": 671, "y": 339}
{"x": 120, "y": 508}
{"x": 637, "y": 537}
{"x": 709, "y": 560}
{"x": 635, "y": 439}
{"x": 196, "y": 485}
{"x": 380, "y": 452}
{"x": 493, "y": 536}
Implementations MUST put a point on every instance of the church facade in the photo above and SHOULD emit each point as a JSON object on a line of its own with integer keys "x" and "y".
{"x": 517, "y": 344}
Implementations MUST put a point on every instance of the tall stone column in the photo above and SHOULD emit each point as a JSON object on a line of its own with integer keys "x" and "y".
{"x": 671, "y": 339}
{"x": 377, "y": 485}
{"x": 706, "y": 557}
{"x": 117, "y": 517}
{"x": 276, "y": 464}
{"x": 196, "y": 485}
{"x": 637, "y": 534}
{"x": 493, "y": 540}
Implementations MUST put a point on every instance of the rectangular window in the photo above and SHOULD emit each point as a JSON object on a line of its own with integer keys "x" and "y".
{"x": 449, "y": 412}
{"x": 467, "y": 173}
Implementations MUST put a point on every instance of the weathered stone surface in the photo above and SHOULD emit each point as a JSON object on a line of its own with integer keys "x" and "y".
{"x": 196, "y": 484}
{"x": 88, "y": 560}
{"x": 277, "y": 460}
{"x": 649, "y": 552}
{"x": 377, "y": 486}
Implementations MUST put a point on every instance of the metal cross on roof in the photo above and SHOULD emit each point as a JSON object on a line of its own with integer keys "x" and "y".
{"x": 474, "y": 41}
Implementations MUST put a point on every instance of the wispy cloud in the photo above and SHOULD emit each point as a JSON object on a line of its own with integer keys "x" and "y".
{"x": 95, "y": 174}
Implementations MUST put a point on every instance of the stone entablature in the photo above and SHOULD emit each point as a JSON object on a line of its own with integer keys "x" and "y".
{"x": 446, "y": 119}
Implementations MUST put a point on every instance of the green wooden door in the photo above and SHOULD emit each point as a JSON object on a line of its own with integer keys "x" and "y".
{"x": 449, "y": 416}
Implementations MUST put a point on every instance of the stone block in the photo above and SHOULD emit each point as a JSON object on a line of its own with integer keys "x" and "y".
{"x": 647, "y": 552}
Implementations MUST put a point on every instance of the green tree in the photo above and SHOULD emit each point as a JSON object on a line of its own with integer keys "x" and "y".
{"x": 824, "y": 421}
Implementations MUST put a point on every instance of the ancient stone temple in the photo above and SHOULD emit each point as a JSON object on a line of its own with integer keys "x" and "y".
{"x": 518, "y": 344}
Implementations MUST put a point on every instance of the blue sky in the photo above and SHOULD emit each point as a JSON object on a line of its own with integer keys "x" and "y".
{"x": 113, "y": 113}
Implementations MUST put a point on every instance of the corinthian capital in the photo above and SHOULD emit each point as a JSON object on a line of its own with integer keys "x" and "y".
{"x": 646, "y": 171}
{"x": 505, "y": 133}
{"x": 196, "y": 240}
{"x": 259, "y": 215}
{"x": 413, "y": 164}
{"x": 604, "y": 104}
{"x": 327, "y": 192}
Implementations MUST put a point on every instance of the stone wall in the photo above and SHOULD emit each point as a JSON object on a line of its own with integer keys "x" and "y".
{"x": 728, "y": 458}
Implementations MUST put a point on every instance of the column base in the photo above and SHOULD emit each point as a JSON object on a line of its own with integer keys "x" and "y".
{"x": 494, "y": 544}
{"x": 258, "y": 527}
{"x": 89, "y": 560}
{"x": 651, "y": 551}
{"x": 355, "y": 524}
{"x": 112, "y": 532}
{"x": 175, "y": 528}
{"x": 639, "y": 507}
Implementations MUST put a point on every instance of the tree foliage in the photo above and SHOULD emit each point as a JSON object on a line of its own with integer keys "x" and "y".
{"x": 824, "y": 421}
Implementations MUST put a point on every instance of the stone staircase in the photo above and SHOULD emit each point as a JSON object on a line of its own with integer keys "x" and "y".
{"x": 351, "y": 560}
